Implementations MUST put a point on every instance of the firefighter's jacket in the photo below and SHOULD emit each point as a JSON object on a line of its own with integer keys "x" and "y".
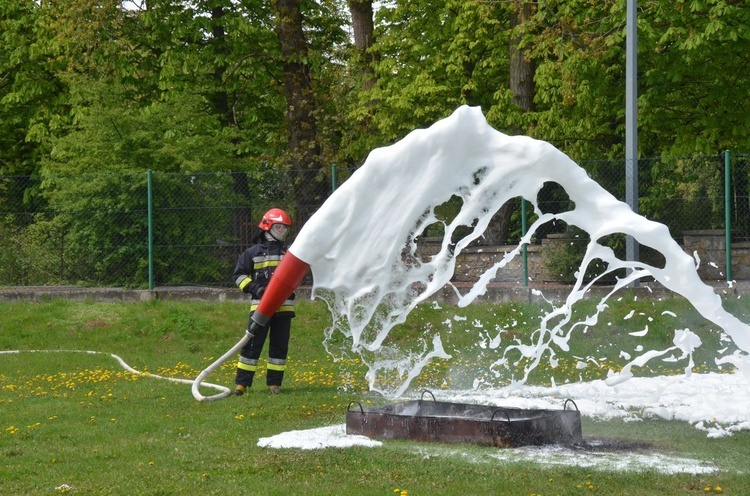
{"x": 254, "y": 270}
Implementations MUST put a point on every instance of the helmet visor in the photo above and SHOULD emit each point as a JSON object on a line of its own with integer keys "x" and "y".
{"x": 279, "y": 231}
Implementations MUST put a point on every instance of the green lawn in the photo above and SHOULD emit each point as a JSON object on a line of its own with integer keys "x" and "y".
{"x": 78, "y": 423}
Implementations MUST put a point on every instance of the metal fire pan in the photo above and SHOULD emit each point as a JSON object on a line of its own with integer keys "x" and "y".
{"x": 443, "y": 422}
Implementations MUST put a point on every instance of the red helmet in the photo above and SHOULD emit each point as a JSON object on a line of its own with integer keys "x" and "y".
{"x": 274, "y": 216}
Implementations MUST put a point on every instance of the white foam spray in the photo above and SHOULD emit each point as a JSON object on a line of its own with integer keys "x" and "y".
{"x": 362, "y": 250}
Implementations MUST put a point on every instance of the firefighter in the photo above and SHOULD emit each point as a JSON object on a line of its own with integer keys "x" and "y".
{"x": 251, "y": 274}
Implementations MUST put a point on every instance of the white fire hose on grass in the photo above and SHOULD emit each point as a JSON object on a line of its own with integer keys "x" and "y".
{"x": 223, "y": 391}
{"x": 208, "y": 370}
{"x": 287, "y": 277}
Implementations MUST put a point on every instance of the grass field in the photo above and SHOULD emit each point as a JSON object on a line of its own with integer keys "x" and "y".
{"x": 78, "y": 423}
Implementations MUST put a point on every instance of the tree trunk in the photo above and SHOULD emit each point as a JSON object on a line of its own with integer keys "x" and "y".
{"x": 522, "y": 86}
{"x": 304, "y": 150}
{"x": 242, "y": 224}
{"x": 364, "y": 37}
{"x": 521, "y": 68}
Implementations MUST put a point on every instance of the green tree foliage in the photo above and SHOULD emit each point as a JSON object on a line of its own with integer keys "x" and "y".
{"x": 171, "y": 135}
{"x": 433, "y": 55}
{"x": 103, "y": 225}
{"x": 430, "y": 57}
{"x": 30, "y": 92}
{"x": 33, "y": 103}
{"x": 106, "y": 86}
{"x": 694, "y": 76}
{"x": 578, "y": 47}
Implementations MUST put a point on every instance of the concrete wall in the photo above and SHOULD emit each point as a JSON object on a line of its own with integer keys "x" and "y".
{"x": 709, "y": 245}
{"x": 471, "y": 263}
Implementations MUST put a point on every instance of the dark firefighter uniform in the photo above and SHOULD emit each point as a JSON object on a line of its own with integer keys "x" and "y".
{"x": 252, "y": 273}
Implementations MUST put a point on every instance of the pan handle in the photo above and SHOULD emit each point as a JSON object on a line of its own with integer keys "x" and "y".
{"x": 495, "y": 413}
{"x": 361, "y": 410}
{"x": 427, "y": 391}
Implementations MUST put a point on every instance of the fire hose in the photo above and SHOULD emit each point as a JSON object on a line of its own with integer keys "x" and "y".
{"x": 224, "y": 391}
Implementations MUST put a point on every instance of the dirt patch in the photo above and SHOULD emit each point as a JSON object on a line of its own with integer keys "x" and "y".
{"x": 607, "y": 445}
{"x": 95, "y": 323}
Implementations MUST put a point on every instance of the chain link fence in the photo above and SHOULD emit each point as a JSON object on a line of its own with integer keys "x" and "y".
{"x": 166, "y": 229}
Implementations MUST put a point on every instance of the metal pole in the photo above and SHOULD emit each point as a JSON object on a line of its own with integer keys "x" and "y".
{"x": 631, "y": 121}
{"x": 334, "y": 178}
{"x": 523, "y": 248}
{"x": 150, "y": 231}
{"x": 728, "y": 211}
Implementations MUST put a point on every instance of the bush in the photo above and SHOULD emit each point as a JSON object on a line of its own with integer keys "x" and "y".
{"x": 563, "y": 259}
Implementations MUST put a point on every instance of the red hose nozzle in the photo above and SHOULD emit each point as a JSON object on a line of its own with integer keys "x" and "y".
{"x": 285, "y": 279}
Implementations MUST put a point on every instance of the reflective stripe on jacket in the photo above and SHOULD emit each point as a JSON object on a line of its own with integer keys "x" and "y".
{"x": 254, "y": 269}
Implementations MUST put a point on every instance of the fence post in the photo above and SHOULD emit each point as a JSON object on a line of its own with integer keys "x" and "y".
{"x": 150, "y": 189}
{"x": 523, "y": 248}
{"x": 728, "y": 212}
{"x": 334, "y": 178}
